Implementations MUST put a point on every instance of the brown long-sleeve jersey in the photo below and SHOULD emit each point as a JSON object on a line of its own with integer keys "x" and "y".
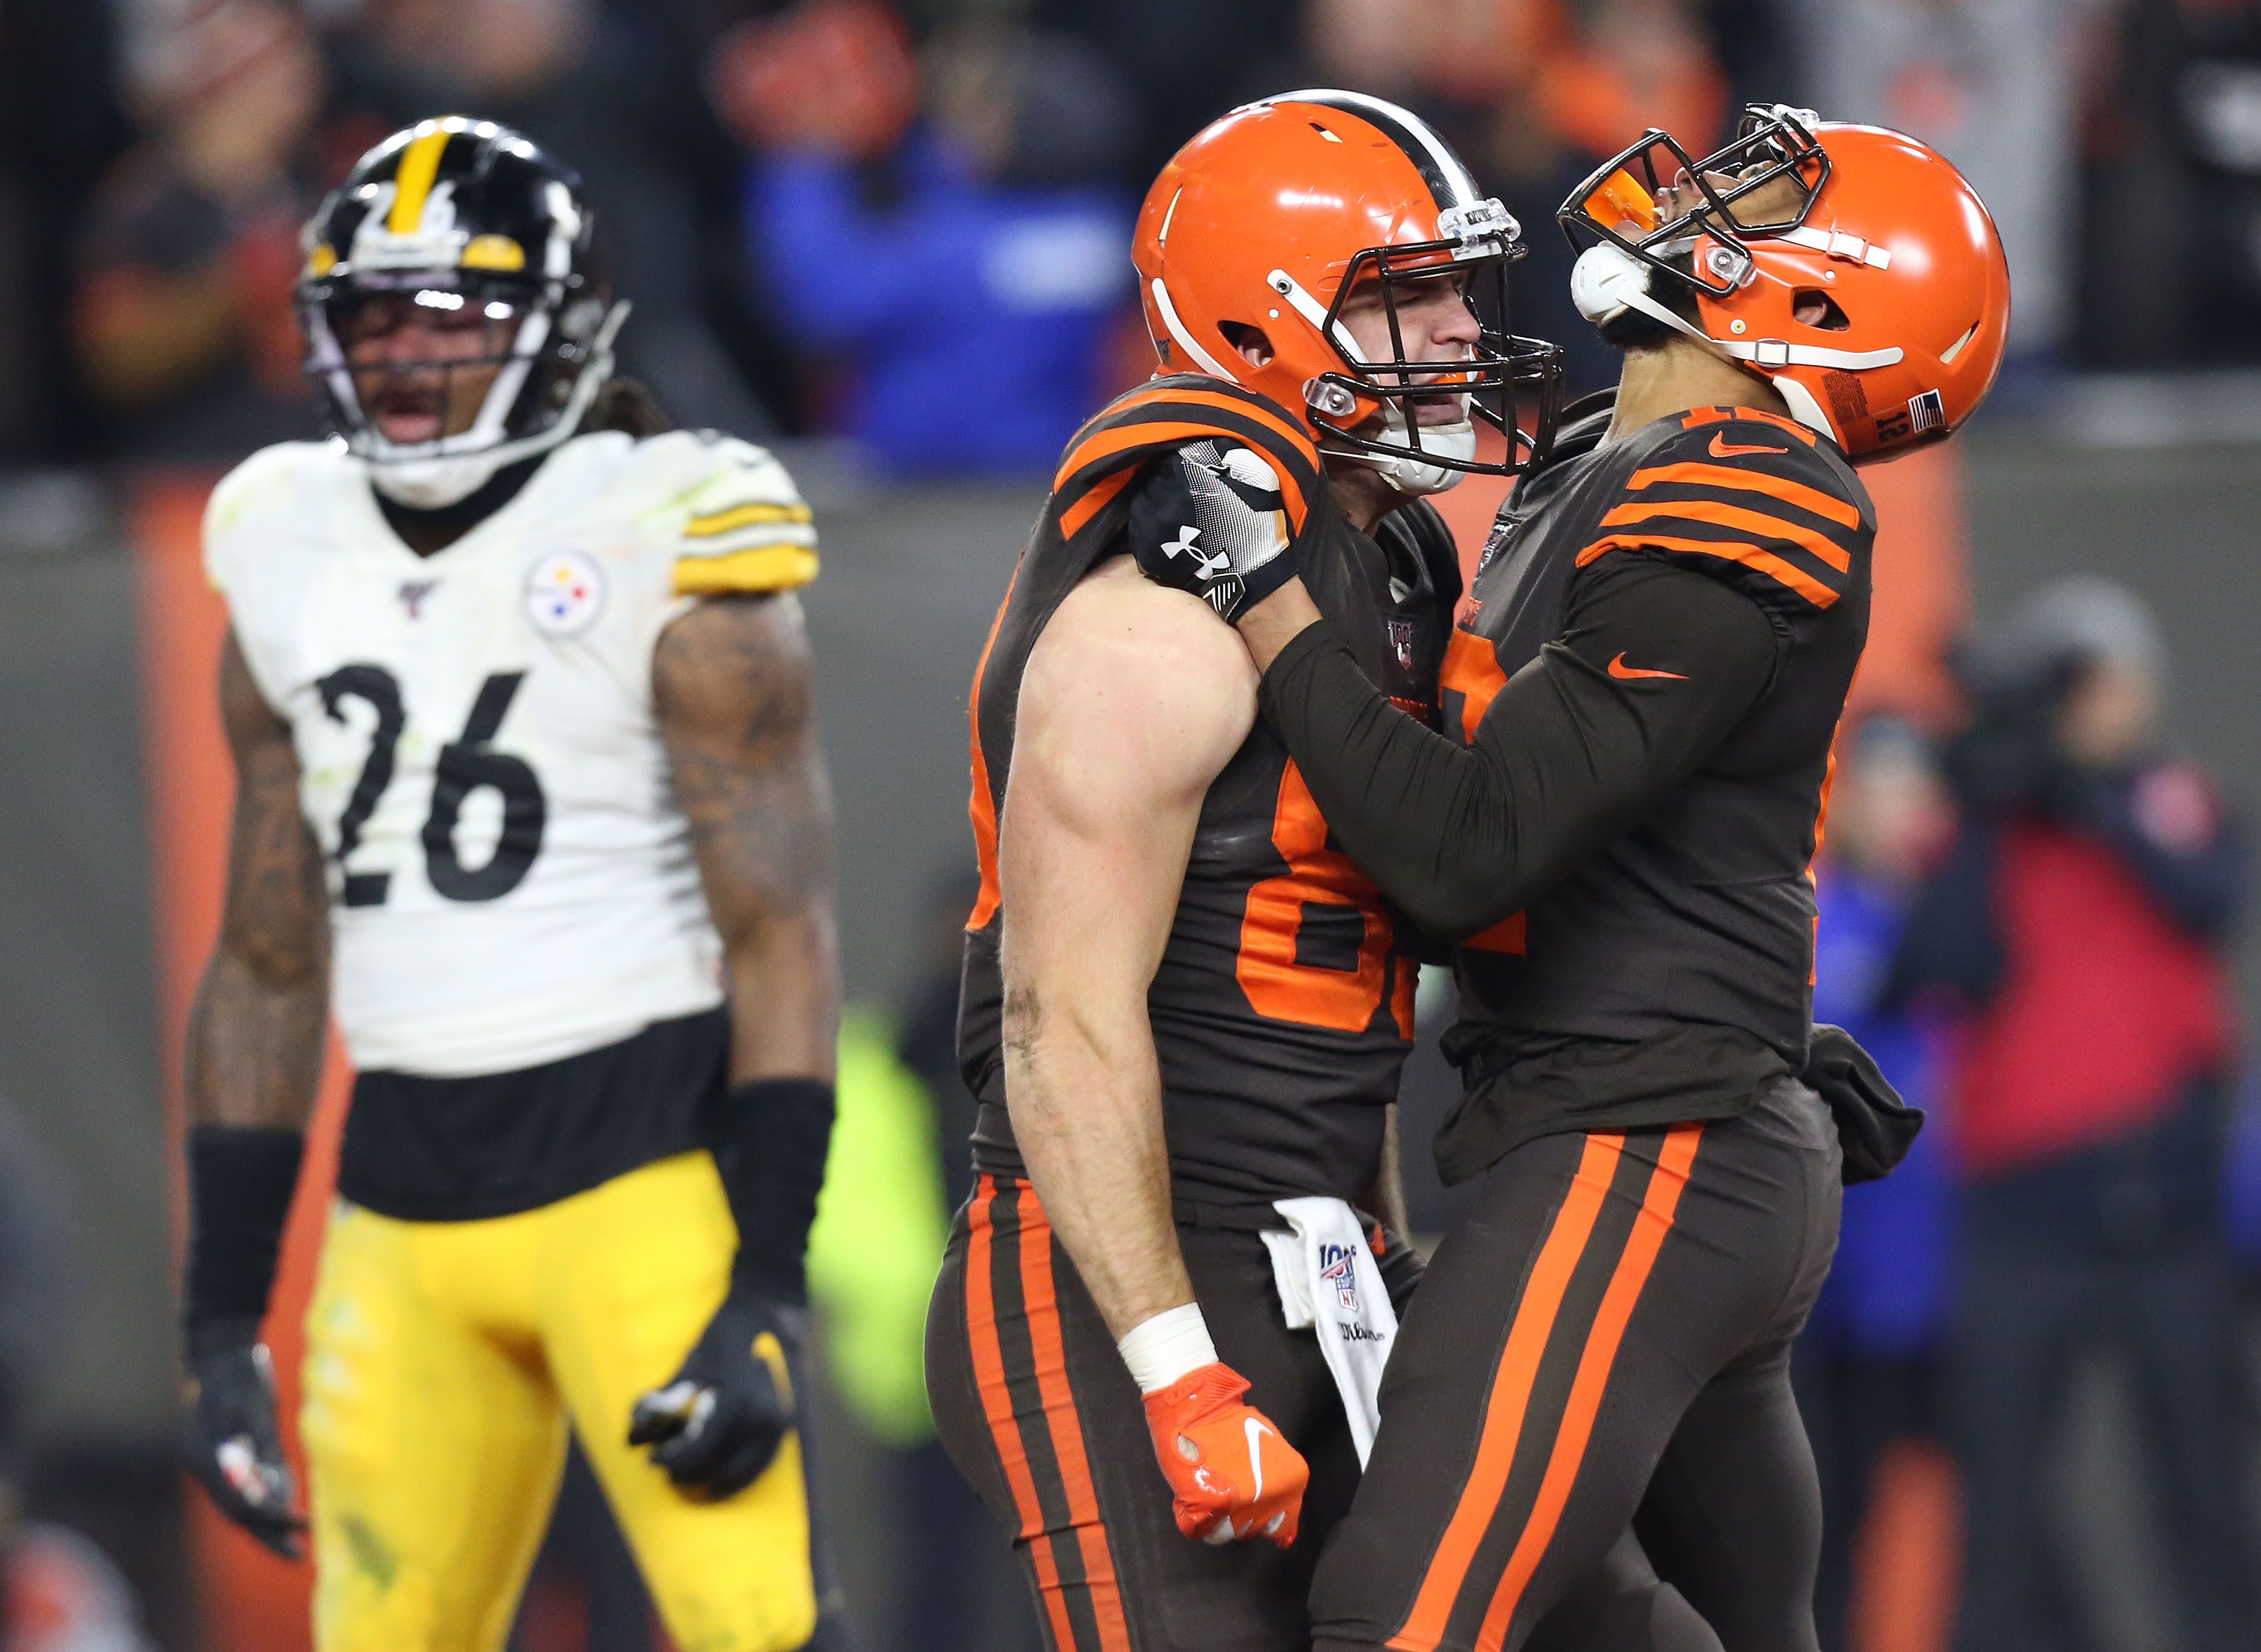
{"x": 1617, "y": 823}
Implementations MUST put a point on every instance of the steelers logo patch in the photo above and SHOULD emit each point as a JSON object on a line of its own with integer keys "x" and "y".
{"x": 565, "y": 594}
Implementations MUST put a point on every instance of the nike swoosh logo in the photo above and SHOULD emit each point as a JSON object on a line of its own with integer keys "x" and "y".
{"x": 1255, "y": 1431}
{"x": 1625, "y": 673}
{"x": 1723, "y": 449}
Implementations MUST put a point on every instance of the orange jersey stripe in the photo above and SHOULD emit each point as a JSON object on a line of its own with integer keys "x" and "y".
{"x": 1722, "y": 476}
{"x": 1750, "y": 556}
{"x": 982, "y": 807}
{"x": 1657, "y": 1209}
{"x": 1763, "y": 523}
{"x": 997, "y": 1403}
{"x": 1567, "y": 1236}
{"x": 1110, "y": 441}
{"x": 1065, "y": 1425}
{"x": 1297, "y": 438}
{"x": 1095, "y": 500}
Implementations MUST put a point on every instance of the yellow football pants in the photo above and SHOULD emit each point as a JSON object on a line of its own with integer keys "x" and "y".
{"x": 443, "y": 1363}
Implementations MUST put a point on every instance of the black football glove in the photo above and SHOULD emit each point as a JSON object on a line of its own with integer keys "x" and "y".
{"x": 1210, "y": 519}
{"x": 717, "y": 1426}
{"x": 230, "y": 1439}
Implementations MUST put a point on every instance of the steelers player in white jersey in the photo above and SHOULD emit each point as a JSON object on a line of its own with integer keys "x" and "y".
{"x": 528, "y": 797}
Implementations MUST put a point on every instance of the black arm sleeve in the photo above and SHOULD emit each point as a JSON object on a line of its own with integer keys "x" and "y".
{"x": 1654, "y": 666}
{"x": 775, "y": 1136}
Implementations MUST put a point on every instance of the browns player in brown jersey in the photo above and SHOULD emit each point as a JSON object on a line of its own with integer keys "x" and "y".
{"x": 1615, "y": 825}
{"x": 1184, "y": 1007}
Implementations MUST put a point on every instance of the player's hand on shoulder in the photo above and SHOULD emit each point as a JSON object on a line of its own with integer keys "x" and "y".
{"x": 1210, "y": 518}
{"x": 718, "y": 1424}
{"x": 230, "y": 1439}
{"x": 1232, "y": 1473}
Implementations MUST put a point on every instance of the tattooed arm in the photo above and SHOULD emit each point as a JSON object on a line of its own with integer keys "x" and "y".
{"x": 731, "y": 682}
{"x": 254, "y": 1060}
{"x": 256, "y": 1031}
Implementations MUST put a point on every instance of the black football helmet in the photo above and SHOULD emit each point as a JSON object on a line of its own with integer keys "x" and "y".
{"x": 456, "y": 215}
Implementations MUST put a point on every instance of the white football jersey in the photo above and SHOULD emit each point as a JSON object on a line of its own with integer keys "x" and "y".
{"x": 511, "y": 879}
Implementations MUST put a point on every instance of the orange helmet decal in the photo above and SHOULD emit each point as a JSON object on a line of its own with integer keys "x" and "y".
{"x": 1258, "y": 231}
{"x": 1873, "y": 294}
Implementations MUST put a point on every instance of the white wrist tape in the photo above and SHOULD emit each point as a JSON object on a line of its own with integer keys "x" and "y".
{"x": 1170, "y": 1345}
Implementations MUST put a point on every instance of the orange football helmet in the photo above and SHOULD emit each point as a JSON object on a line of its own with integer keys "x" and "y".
{"x": 1877, "y": 309}
{"x": 1270, "y": 217}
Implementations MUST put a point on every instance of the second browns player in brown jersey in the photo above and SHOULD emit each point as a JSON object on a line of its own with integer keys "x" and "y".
{"x": 1616, "y": 826}
{"x": 1183, "y": 1004}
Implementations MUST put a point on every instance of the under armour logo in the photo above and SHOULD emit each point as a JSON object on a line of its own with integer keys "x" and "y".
{"x": 1204, "y": 564}
{"x": 413, "y": 592}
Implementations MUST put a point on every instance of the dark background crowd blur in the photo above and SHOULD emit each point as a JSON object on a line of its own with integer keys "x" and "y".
{"x": 857, "y": 217}
{"x": 892, "y": 240}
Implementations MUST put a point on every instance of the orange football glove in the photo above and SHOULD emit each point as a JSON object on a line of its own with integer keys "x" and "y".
{"x": 1232, "y": 1475}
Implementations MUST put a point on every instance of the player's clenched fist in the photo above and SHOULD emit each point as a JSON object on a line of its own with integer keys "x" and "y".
{"x": 1232, "y": 1475}
{"x": 719, "y": 1424}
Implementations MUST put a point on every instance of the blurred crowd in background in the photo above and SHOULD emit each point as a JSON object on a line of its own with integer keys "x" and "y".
{"x": 904, "y": 228}
{"x": 904, "y": 222}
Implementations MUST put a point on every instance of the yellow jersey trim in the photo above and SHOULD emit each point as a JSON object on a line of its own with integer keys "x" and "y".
{"x": 743, "y": 516}
{"x": 781, "y": 565}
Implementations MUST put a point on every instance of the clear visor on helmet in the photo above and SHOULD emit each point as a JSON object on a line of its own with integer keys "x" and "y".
{"x": 1653, "y": 200}
{"x": 1423, "y": 333}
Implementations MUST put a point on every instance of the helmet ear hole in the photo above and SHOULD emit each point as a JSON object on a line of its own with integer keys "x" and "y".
{"x": 1250, "y": 340}
{"x": 1813, "y": 308}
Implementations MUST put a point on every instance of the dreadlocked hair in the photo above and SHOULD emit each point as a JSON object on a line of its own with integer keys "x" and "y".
{"x": 627, "y": 405}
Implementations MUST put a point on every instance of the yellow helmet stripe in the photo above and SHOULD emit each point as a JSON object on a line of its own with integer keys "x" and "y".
{"x": 419, "y": 164}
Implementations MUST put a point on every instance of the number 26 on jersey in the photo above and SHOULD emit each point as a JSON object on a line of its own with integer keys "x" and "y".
{"x": 466, "y": 764}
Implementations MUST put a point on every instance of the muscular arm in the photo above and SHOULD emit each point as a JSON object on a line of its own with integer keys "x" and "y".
{"x": 1133, "y": 700}
{"x": 730, "y": 680}
{"x": 255, "y": 1031}
{"x": 1655, "y": 665}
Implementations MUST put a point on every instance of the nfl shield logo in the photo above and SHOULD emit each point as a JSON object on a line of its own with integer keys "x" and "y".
{"x": 1338, "y": 1267}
